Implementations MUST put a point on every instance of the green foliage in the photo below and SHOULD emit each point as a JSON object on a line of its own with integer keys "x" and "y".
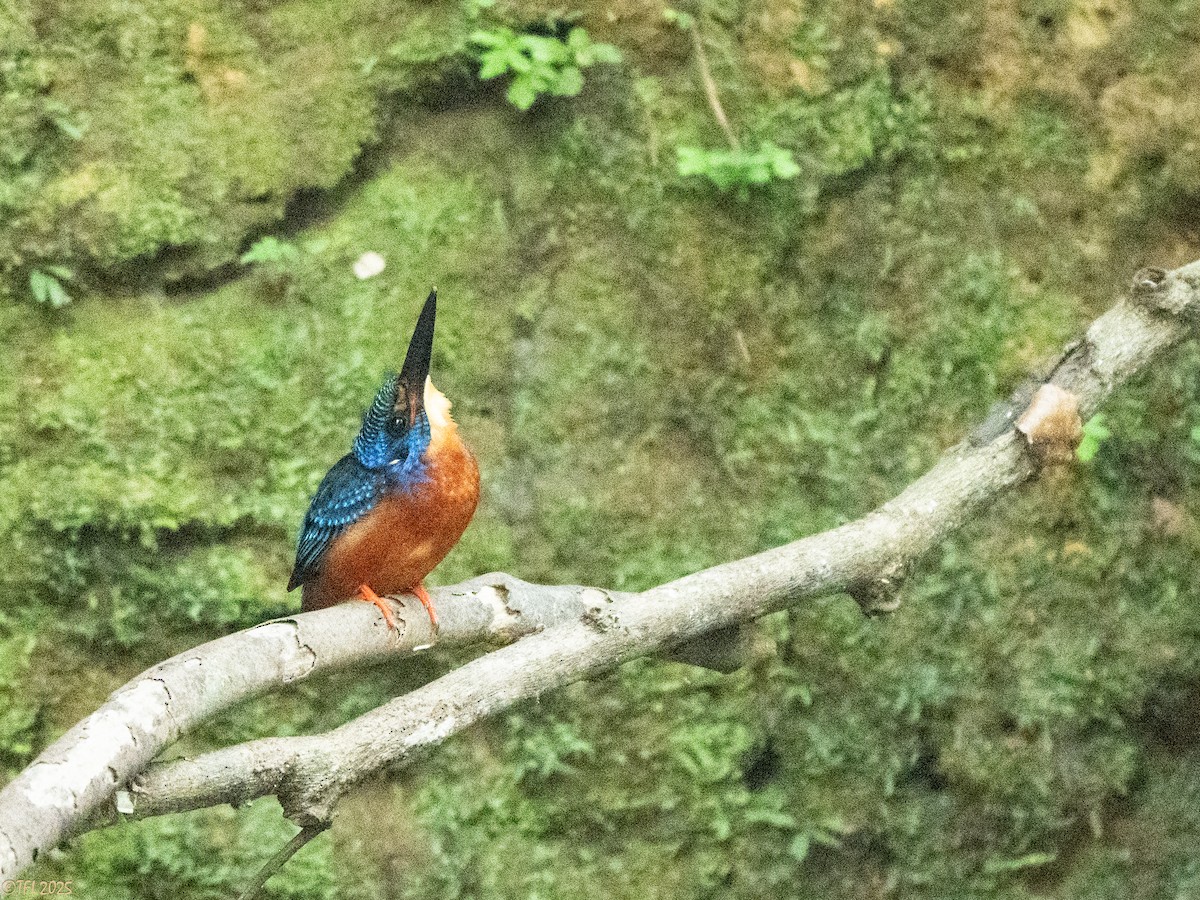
{"x": 63, "y": 119}
{"x": 210, "y": 855}
{"x": 539, "y": 65}
{"x": 1095, "y": 433}
{"x": 157, "y": 489}
{"x": 272, "y": 253}
{"x": 655, "y": 380}
{"x": 679, "y": 18}
{"x": 546, "y": 749}
{"x": 134, "y": 130}
{"x": 19, "y": 710}
{"x": 46, "y": 286}
{"x": 276, "y": 260}
{"x": 38, "y": 125}
{"x": 738, "y": 169}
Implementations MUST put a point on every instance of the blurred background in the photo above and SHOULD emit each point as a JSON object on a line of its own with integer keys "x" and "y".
{"x": 670, "y": 346}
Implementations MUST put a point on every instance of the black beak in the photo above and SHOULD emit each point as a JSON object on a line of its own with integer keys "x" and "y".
{"x": 416, "y": 362}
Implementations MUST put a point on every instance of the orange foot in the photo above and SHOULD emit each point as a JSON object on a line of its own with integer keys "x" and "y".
{"x": 423, "y": 595}
{"x": 365, "y": 593}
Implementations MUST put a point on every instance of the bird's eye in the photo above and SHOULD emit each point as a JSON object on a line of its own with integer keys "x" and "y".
{"x": 400, "y": 422}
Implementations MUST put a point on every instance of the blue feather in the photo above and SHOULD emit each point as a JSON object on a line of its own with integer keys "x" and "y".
{"x": 347, "y": 493}
{"x": 373, "y": 446}
{"x": 410, "y": 469}
{"x": 385, "y": 458}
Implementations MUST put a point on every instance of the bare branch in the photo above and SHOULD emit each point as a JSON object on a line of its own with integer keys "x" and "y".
{"x": 710, "y": 87}
{"x": 69, "y": 781}
{"x": 62, "y": 791}
{"x": 279, "y": 860}
{"x": 310, "y": 773}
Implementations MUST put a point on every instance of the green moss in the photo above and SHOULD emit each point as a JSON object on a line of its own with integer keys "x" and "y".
{"x": 654, "y": 380}
{"x": 209, "y": 854}
{"x": 188, "y": 126}
{"x": 144, "y": 426}
{"x": 18, "y": 718}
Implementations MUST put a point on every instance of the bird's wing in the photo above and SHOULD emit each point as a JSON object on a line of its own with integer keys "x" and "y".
{"x": 347, "y": 493}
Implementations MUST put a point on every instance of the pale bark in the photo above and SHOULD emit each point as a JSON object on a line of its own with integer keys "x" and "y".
{"x": 72, "y": 784}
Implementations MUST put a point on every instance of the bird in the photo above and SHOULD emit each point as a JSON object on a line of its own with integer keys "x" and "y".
{"x": 391, "y": 509}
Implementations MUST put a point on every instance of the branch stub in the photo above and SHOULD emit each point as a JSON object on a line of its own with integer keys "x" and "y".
{"x": 880, "y": 595}
{"x": 1052, "y": 426}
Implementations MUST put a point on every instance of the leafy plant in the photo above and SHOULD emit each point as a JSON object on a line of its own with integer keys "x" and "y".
{"x": 272, "y": 253}
{"x": 46, "y": 285}
{"x": 679, "y": 18}
{"x": 539, "y": 65}
{"x": 275, "y": 259}
{"x": 64, "y": 119}
{"x": 1094, "y": 434}
{"x": 18, "y": 712}
{"x": 738, "y": 169}
{"x": 476, "y": 8}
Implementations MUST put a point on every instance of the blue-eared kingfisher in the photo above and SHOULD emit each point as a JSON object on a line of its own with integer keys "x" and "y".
{"x": 389, "y": 510}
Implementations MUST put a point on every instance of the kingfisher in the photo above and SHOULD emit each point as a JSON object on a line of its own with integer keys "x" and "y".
{"x": 389, "y": 510}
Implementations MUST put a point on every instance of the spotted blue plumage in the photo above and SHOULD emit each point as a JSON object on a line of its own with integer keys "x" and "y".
{"x": 371, "y": 447}
{"x": 388, "y": 455}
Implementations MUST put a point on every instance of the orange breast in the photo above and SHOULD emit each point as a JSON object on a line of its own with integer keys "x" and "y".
{"x": 400, "y": 541}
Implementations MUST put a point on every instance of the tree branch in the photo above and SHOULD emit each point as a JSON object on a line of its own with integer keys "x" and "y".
{"x": 710, "y": 86}
{"x": 279, "y": 860}
{"x": 62, "y": 790}
{"x": 71, "y": 779}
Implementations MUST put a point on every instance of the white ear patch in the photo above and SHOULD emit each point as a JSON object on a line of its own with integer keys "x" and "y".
{"x": 437, "y": 408}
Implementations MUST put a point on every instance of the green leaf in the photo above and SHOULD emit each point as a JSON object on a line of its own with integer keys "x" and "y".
{"x": 1094, "y": 434}
{"x": 516, "y": 60}
{"x": 757, "y": 170}
{"x": 690, "y": 161}
{"x": 496, "y": 38}
{"x": 69, "y": 128}
{"x": 783, "y": 165}
{"x": 39, "y": 286}
{"x": 521, "y": 93}
{"x": 606, "y": 53}
{"x": 578, "y": 39}
{"x": 679, "y": 18}
{"x": 48, "y": 290}
{"x": 541, "y": 64}
{"x": 569, "y": 82}
{"x": 541, "y": 49}
{"x": 738, "y": 168}
{"x": 491, "y": 64}
{"x": 722, "y": 827}
{"x": 62, "y": 118}
{"x": 775, "y": 817}
{"x": 798, "y": 848}
{"x": 60, "y": 272}
{"x": 997, "y": 866}
{"x": 270, "y": 250}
